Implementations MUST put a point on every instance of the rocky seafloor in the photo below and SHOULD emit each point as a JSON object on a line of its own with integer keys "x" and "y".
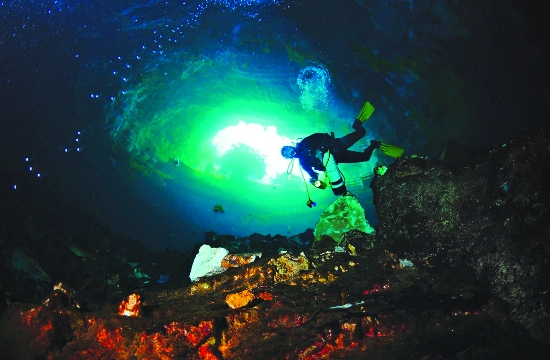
{"x": 457, "y": 269}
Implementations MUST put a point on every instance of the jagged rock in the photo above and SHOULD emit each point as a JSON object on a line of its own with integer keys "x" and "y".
{"x": 355, "y": 241}
{"x": 215, "y": 240}
{"x": 344, "y": 214}
{"x": 27, "y": 265}
{"x": 266, "y": 244}
{"x": 488, "y": 210}
{"x": 324, "y": 243}
{"x": 208, "y": 262}
{"x": 240, "y": 299}
{"x": 304, "y": 239}
{"x": 289, "y": 267}
{"x": 236, "y": 260}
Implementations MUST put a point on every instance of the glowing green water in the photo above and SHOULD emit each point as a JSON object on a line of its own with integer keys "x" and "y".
{"x": 225, "y": 117}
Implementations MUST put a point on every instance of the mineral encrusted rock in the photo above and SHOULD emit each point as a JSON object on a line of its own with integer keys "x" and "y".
{"x": 344, "y": 214}
{"x": 487, "y": 210}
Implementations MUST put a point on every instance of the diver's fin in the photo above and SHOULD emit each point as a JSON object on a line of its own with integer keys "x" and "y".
{"x": 390, "y": 150}
{"x": 366, "y": 112}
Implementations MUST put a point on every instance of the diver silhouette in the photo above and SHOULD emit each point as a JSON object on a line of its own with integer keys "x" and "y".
{"x": 321, "y": 152}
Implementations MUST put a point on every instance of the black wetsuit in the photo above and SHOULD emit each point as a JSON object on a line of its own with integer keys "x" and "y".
{"x": 311, "y": 149}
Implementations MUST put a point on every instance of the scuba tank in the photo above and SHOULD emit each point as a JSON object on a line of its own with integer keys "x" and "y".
{"x": 333, "y": 174}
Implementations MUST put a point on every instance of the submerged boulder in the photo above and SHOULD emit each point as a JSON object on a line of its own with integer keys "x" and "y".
{"x": 344, "y": 214}
{"x": 488, "y": 211}
{"x": 208, "y": 262}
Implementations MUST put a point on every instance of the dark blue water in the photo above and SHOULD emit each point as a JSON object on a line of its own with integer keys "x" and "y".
{"x": 472, "y": 72}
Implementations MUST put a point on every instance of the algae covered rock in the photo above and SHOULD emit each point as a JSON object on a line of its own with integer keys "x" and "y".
{"x": 344, "y": 214}
{"x": 485, "y": 209}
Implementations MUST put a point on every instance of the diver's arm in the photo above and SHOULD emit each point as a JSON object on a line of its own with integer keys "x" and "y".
{"x": 320, "y": 167}
{"x": 313, "y": 175}
{"x": 309, "y": 169}
{"x": 308, "y": 152}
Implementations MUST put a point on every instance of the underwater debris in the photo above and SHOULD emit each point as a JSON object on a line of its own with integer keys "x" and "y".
{"x": 218, "y": 208}
{"x": 163, "y": 278}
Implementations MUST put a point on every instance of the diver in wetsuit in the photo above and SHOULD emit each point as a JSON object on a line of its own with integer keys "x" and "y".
{"x": 322, "y": 152}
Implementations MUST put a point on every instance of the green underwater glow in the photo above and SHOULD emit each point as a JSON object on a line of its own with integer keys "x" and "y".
{"x": 222, "y": 119}
{"x": 252, "y": 148}
{"x": 214, "y": 107}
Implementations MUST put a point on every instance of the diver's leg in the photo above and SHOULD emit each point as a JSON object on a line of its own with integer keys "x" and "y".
{"x": 347, "y": 141}
{"x": 349, "y": 157}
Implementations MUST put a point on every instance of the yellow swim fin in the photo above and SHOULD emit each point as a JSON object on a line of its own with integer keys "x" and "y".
{"x": 390, "y": 150}
{"x": 366, "y": 112}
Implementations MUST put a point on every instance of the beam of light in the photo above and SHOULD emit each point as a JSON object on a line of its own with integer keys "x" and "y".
{"x": 263, "y": 141}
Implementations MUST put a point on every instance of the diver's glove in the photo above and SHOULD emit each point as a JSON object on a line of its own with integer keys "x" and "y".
{"x": 312, "y": 180}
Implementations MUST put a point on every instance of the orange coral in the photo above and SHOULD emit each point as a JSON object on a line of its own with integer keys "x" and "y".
{"x": 193, "y": 335}
{"x": 266, "y": 296}
{"x": 205, "y": 350}
{"x": 239, "y": 299}
{"x": 110, "y": 339}
{"x": 130, "y": 306}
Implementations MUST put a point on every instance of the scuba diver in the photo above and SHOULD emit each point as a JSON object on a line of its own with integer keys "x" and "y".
{"x": 323, "y": 152}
